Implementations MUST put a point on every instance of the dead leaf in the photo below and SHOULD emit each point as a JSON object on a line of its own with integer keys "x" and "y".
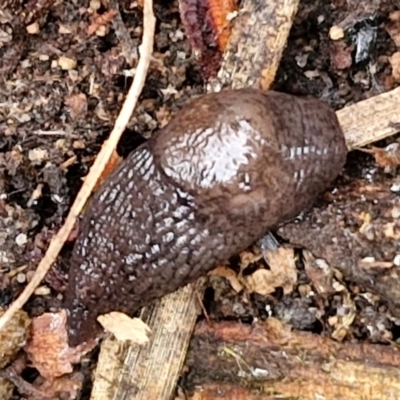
{"x": 263, "y": 282}
{"x": 248, "y": 258}
{"x": 77, "y": 105}
{"x": 125, "y": 328}
{"x": 344, "y": 317}
{"x": 229, "y": 275}
{"x": 320, "y": 274}
{"x": 65, "y": 387}
{"x": 48, "y": 349}
{"x": 387, "y": 157}
{"x": 282, "y": 273}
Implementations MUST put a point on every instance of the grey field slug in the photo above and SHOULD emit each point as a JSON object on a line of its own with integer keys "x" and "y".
{"x": 226, "y": 169}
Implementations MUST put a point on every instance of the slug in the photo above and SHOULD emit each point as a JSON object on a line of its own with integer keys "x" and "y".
{"x": 225, "y": 170}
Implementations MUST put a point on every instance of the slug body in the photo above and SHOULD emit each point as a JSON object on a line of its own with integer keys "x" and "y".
{"x": 228, "y": 168}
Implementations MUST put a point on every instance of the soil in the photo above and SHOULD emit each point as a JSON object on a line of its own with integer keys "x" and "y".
{"x": 62, "y": 89}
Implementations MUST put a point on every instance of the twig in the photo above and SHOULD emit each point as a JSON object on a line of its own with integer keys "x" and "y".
{"x": 95, "y": 171}
{"x": 371, "y": 120}
{"x": 256, "y": 45}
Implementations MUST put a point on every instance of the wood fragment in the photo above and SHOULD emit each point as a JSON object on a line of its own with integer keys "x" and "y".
{"x": 286, "y": 365}
{"x": 256, "y": 45}
{"x": 126, "y": 371}
{"x": 208, "y": 25}
{"x": 371, "y": 120}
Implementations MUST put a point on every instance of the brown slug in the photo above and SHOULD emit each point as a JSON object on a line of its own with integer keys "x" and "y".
{"x": 228, "y": 168}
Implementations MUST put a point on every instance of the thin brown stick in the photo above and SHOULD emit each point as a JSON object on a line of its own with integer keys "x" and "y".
{"x": 101, "y": 161}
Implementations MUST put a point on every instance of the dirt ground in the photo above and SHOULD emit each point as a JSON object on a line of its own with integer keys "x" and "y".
{"x": 61, "y": 90}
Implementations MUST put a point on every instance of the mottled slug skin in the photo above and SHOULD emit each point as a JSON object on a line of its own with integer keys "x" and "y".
{"x": 229, "y": 167}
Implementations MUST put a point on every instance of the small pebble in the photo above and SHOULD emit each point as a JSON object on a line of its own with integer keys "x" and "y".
{"x": 395, "y": 188}
{"x": 66, "y": 63}
{"x": 42, "y": 291}
{"x": 396, "y": 212}
{"x": 38, "y": 154}
{"x": 21, "y": 277}
{"x": 21, "y": 239}
{"x": 32, "y": 29}
{"x": 336, "y": 33}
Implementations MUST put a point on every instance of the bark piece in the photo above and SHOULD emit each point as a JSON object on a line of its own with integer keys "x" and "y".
{"x": 284, "y": 364}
